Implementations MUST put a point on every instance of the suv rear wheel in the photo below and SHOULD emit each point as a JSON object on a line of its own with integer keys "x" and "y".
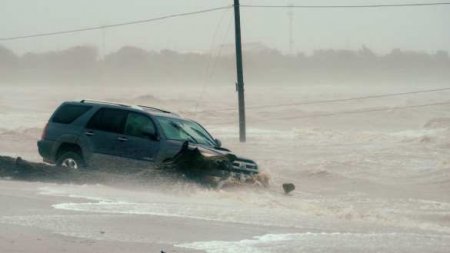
{"x": 70, "y": 160}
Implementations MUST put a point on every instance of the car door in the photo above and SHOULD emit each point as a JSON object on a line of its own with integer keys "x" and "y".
{"x": 140, "y": 140}
{"x": 103, "y": 132}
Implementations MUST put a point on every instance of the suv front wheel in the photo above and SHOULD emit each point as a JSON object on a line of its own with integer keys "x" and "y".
{"x": 70, "y": 160}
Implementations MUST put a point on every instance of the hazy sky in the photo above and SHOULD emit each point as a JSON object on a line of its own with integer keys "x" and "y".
{"x": 413, "y": 28}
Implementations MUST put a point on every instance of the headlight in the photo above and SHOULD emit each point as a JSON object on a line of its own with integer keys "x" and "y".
{"x": 207, "y": 153}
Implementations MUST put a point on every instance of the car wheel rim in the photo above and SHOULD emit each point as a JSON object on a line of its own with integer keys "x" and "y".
{"x": 70, "y": 163}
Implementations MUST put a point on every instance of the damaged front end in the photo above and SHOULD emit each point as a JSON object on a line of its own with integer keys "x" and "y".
{"x": 214, "y": 165}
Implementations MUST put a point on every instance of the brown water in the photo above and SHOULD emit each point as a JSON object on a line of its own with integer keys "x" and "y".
{"x": 372, "y": 182}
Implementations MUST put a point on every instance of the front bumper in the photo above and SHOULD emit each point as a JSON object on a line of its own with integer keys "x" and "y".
{"x": 243, "y": 166}
{"x": 193, "y": 163}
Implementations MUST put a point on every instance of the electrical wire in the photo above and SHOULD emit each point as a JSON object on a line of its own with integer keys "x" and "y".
{"x": 210, "y": 63}
{"x": 346, "y": 6}
{"x": 135, "y": 22}
{"x": 345, "y": 112}
{"x": 364, "y": 111}
{"x": 211, "y": 10}
{"x": 339, "y": 100}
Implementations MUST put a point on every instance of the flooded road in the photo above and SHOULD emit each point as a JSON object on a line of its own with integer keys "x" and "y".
{"x": 365, "y": 182}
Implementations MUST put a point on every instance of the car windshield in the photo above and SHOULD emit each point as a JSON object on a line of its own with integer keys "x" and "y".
{"x": 185, "y": 130}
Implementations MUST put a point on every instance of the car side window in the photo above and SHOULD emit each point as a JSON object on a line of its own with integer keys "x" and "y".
{"x": 108, "y": 120}
{"x": 136, "y": 123}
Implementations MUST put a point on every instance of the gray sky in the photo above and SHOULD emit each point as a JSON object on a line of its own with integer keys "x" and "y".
{"x": 424, "y": 29}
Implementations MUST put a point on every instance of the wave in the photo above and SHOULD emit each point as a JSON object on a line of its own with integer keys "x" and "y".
{"x": 31, "y": 131}
{"x": 328, "y": 242}
{"x": 438, "y": 123}
{"x": 253, "y": 207}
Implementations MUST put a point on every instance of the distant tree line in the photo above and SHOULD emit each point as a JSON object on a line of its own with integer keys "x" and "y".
{"x": 129, "y": 65}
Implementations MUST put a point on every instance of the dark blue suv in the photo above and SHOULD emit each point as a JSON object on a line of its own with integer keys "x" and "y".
{"x": 88, "y": 134}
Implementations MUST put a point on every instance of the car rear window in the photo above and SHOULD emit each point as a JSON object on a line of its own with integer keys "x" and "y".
{"x": 66, "y": 114}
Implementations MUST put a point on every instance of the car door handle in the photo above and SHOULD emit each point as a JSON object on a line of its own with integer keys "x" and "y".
{"x": 122, "y": 139}
{"x": 89, "y": 133}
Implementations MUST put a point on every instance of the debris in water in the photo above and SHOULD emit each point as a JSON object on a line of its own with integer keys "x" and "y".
{"x": 288, "y": 187}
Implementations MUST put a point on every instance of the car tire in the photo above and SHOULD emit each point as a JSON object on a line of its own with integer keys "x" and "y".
{"x": 71, "y": 160}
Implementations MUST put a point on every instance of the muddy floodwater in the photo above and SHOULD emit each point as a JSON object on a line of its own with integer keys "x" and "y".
{"x": 371, "y": 175}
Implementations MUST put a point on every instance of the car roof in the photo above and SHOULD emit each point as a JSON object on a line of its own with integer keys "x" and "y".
{"x": 138, "y": 108}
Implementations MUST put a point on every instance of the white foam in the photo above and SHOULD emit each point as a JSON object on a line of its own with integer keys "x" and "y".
{"x": 256, "y": 208}
{"x": 327, "y": 242}
{"x": 65, "y": 192}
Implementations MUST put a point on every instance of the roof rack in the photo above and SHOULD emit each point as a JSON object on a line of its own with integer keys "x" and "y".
{"x": 156, "y": 109}
{"x": 103, "y": 102}
{"x": 125, "y": 105}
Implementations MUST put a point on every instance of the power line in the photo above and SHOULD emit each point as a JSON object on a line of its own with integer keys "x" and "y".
{"x": 340, "y": 100}
{"x": 212, "y": 59}
{"x": 212, "y": 10}
{"x": 215, "y": 9}
{"x": 352, "y": 98}
{"x": 346, "y": 6}
{"x": 363, "y": 111}
{"x": 348, "y": 112}
{"x": 135, "y": 22}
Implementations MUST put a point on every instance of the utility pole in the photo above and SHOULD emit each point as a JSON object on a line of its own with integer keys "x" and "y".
{"x": 291, "y": 29}
{"x": 240, "y": 72}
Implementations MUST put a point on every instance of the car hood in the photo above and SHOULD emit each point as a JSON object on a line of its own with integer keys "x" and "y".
{"x": 219, "y": 151}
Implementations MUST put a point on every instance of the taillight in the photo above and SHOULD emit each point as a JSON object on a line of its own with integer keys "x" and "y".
{"x": 44, "y": 132}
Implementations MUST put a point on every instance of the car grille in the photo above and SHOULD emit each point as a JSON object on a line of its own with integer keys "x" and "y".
{"x": 241, "y": 165}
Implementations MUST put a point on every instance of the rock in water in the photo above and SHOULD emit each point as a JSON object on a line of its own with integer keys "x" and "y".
{"x": 288, "y": 187}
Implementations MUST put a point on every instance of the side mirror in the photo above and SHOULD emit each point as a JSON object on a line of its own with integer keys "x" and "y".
{"x": 150, "y": 132}
{"x": 218, "y": 143}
